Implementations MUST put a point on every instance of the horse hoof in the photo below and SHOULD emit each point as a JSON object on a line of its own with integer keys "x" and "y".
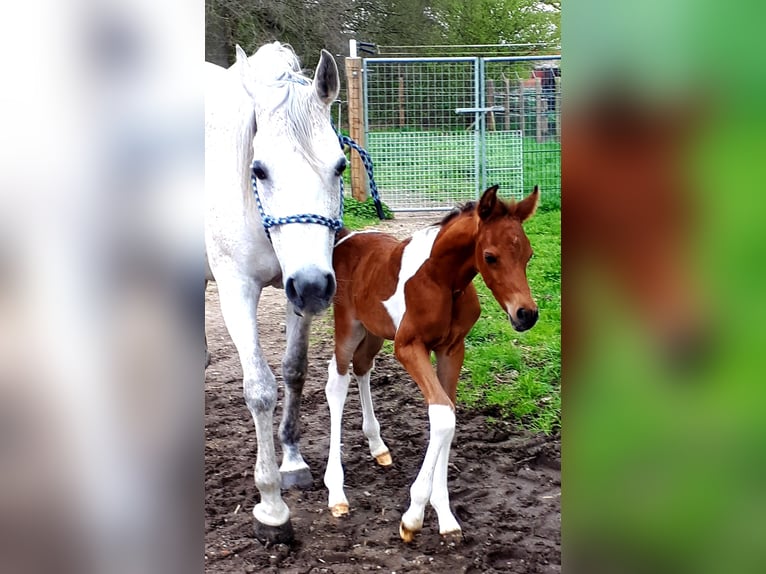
{"x": 384, "y": 459}
{"x": 452, "y": 537}
{"x": 405, "y": 533}
{"x": 340, "y": 509}
{"x": 270, "y": 535}
{"x": 300, "y": 479}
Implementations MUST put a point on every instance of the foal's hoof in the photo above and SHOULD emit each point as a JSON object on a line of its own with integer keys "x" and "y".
{"x": 406, "y": 534}
{"x": 452, "y": 537}
{"x": 269, "y": 535}
{"x": 340, "y": 509}
{"x": 300, "y": 479}
{"x": 384, "y": 459}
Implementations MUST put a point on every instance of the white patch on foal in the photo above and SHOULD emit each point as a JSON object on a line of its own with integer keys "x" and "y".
{"x": 431, "y": 482}
{"x": 415, "y": 254}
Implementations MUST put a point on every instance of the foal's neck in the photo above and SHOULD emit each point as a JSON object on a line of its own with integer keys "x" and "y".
{"x": 453, "y": 252}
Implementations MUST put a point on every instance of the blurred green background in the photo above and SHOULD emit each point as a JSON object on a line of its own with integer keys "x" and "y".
{"x": 665, "y": 470}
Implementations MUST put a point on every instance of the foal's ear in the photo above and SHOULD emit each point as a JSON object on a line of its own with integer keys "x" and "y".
{"x": 326, "y": 81}
{"x": 526, "y": 207}
{"x": 488, "y": 201}
{"x": 245, "y": 71}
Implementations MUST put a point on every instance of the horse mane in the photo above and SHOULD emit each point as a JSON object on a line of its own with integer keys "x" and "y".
{"x": 508, "y": 207}
{"x": 277, "y": 72}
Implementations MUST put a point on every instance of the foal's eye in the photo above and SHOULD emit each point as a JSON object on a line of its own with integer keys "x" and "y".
{"x": 340, "y": 167}
{"x": 259, "y": 171}
{"x": 490, "y": 258}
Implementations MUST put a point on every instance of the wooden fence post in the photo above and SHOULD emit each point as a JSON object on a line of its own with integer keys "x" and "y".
{"x": 540, "y": 111}
{"x": 522, "y": 111}
{"x": 507, "y": 82}
{"x": 490, "y": 103}
{"x": 558, "y": 108}
{"x": 401, "y": 99}
{"x": 356, "y": 125}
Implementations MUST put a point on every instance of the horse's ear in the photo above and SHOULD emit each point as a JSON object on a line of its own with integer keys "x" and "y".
{"x": 326, "y": 79}
{"x": 488, "y": 201}
{"x": 526, "y": 207}
{"x": 245, "y": 71}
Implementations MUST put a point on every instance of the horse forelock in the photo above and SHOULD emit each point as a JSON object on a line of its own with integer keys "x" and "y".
{"x": 284, "y": 92}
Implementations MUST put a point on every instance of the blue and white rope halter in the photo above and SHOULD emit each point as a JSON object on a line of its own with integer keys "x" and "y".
{"x": 269, "y": 221}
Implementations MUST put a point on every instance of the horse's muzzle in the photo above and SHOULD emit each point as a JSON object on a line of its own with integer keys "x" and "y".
{"x": 524, "y": 319}
{"x": 310, "y": 290}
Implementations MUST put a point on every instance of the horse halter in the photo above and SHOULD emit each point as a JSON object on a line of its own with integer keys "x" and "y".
{"x": 270, "y": 221}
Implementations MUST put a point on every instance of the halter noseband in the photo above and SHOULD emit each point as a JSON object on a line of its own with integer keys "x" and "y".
{"x": 270, "y": 221}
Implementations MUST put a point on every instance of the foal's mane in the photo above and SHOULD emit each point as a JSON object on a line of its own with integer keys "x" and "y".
{"x": 504, "y": 208}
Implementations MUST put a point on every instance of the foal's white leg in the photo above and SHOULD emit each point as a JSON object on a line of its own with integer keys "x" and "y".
{"x": 239, "y": 296}
{"x": 370, "y": 424}
{"x": 442, "y": 428}
{"x": 336, "y": 391}
{"x": 440, "y": 495}
{"x": 294, "y": 470}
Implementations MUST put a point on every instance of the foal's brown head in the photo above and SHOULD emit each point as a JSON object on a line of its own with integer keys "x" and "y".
{"x": 503, "y": 251}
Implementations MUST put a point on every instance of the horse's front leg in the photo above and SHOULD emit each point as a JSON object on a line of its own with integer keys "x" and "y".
{"x": 448, "y": 364}
{"x": 441, "y": 417}
{"x": 239, "y": 297}
{"x": 294, "y": 470}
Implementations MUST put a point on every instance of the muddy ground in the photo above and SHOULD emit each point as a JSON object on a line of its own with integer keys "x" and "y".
{"x": 505, "y": 485}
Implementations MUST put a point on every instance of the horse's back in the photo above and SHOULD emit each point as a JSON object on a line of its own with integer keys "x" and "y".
{"x": 366, "y": 268}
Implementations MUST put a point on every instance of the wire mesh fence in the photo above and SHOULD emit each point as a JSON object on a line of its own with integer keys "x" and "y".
{"x": 442, "y": 129}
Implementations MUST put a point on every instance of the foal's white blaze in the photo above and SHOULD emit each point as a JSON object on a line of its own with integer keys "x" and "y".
{"x": 415, "y": 254}
{"x": 442, "y": 423}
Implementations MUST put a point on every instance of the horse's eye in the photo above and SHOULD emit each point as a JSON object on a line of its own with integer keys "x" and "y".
{"x": 340, "y": 167}
{"x": 259, "y": 171}
{"x": 489, "y": 258}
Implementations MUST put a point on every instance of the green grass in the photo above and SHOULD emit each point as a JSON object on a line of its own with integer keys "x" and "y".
{"x": 446, "y": 160}
{"x": 517, "y": 375}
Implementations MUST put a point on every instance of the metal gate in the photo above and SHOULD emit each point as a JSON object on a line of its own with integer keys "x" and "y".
{"x": 441, "y": 130}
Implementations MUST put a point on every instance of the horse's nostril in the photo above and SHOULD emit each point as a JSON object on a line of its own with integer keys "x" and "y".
{"x": 527, "y": 316}
{"x": 330, "y": 288}
{"x": 290, "y": 291}
{"x": 310, "y": 289}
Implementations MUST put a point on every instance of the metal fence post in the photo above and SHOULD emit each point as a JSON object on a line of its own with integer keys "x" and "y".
{"x": 356, "y": 125}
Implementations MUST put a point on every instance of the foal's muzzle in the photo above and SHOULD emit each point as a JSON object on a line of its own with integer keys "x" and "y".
{"x": 310, "y": 290}
{"x": 525, "y": 319}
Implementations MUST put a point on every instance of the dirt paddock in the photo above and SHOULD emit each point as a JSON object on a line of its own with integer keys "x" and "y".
{"x": 505, "y": 485}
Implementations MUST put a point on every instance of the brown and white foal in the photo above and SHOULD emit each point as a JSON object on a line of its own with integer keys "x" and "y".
{"x": 419, "y": 293}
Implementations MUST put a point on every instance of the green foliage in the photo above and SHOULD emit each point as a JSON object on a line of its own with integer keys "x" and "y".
{"x": 499, "y": 21}
{"x": 309, "y": 25}
{"x": 358, "y": 214}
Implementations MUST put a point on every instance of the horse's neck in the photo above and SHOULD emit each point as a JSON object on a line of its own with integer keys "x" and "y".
{"x": 453, "y": 253}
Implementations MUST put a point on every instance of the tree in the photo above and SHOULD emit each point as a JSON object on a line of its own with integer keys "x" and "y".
{"x": 499, "y": 21}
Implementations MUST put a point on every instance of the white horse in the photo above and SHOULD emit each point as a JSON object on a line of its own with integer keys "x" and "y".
{"x": 267, "y": 124}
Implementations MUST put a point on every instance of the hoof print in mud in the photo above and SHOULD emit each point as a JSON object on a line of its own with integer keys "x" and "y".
{"x": 454, "y": 538}
{"x": 271, "y": 535}
{"x": 300, "y": 479}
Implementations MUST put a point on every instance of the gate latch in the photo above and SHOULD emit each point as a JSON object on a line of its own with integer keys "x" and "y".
{"x": 479, "y": 110}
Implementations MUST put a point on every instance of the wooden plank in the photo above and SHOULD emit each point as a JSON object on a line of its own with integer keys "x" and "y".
{"x": 359, "y": 185}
